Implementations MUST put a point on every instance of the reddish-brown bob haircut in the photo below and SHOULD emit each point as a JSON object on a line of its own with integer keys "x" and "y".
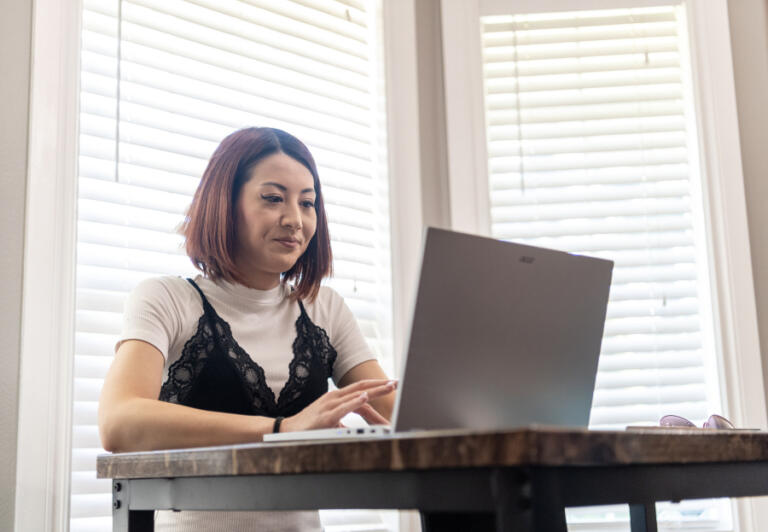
{"x": 210, "y": 229}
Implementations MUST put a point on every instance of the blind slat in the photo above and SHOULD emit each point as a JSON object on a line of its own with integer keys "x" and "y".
{"x": 582, "y": 208}
{"x": 495, "y": 35}
{"x": 572, "y": 21}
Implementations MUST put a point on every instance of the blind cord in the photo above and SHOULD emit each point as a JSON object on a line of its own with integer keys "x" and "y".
{"x": 117, "y": 92}
{"x": 521, "y": 164}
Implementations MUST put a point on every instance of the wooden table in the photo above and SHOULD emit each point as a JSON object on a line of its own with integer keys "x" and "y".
{"x": 468, "y": 481}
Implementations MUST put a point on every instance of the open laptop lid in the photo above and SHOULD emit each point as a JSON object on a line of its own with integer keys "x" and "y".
{"x": 503, "y": 335}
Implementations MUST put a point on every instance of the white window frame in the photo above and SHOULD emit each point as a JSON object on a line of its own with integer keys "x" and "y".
{"x": 48, "y": 310}
{"x": 737, "y": 340}
{"x": 399, "y": 35}
{"x": 403, "y": 134}
{"x": 48, "y": 315}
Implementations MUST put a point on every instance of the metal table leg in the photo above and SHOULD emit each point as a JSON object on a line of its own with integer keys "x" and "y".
{"x": 457, "y": 522}
{"x": 528, "y": 501}
{"x": 642, "y": 517}
{"x": 547, "y": 505}
{"x": 123, "y": 518}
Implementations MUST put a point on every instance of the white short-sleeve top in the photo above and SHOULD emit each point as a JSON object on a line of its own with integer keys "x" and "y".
{"x": 166, "y": 312}
{"x": 267, "y": 327}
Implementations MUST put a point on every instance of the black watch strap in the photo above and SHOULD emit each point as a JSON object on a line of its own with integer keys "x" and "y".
{"x": 276, "y": 426}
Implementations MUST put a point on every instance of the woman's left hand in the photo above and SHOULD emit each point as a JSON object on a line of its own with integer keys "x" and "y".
{"x": 328, "y": 409}
{"x": 368, "y": 413}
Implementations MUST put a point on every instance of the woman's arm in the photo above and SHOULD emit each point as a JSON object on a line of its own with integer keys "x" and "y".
{"x": 370, "y": 369}
{"x": 131, "y": 418}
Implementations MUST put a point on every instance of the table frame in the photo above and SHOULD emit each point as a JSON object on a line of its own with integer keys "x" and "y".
{"x": 483, "y": 499}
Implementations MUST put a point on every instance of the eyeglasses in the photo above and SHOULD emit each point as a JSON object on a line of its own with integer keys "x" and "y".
{"x": 714, "y": 422}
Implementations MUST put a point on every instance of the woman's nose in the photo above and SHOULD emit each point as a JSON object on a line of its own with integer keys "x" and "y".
{"x": 291, "y": 217}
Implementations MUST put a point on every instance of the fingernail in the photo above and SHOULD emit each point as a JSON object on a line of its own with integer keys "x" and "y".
{"x": 364, "y": 396}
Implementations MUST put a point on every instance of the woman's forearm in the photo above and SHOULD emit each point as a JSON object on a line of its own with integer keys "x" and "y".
{"x": 384, "y": 405}
{"x": 139, "y": 424}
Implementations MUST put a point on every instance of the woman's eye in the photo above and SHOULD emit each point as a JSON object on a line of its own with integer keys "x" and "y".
{"x": 272, "y": 199}
{"x": 308, "y": 204}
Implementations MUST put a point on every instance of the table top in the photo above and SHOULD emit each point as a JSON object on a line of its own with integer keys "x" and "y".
{"x": 532, "y": 446}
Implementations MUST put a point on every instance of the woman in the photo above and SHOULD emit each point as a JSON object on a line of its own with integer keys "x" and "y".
{"x": 247, "y": 347}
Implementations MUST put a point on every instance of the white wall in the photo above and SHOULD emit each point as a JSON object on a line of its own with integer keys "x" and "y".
{"x": 748, "y": 21}
{"x": 15, "y": 48}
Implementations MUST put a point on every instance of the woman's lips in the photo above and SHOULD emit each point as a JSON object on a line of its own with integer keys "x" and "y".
{"x": 288, "y": 242}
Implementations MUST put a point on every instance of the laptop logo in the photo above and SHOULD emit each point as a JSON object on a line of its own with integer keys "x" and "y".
{"x": 527, "y": 260}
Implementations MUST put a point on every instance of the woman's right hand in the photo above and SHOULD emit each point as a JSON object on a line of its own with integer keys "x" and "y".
{"x": 327, "y": 411}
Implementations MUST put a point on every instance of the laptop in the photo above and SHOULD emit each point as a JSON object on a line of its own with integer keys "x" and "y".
{"x": 502, "y": 335}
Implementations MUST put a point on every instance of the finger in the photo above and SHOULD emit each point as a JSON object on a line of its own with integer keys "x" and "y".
{"x": 347, "y": 406}
{"x": 371, "y": 415}
{"x": 386, "y": 389}
{"x": 379, "y": 391}
{"x": 374, "y": 388}
{"x": 364, "y": 384}
{"x": 355, "y": 387}
{"x": 334, "y": 402}
{"x": 382, "y": 388}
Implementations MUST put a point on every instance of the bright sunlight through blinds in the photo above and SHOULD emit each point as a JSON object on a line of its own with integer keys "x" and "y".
{"x": 591, "y": 150}
{"x": 191, "y": 72}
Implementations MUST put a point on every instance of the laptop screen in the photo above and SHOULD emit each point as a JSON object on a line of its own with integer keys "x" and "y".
{"x": 503, "y": 335}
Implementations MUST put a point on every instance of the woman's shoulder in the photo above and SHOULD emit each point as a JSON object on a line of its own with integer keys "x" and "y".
{"x": 168, "y": 292}
{"x": 327, "y": 298}
{"x": 163, "y": 286}
{"x": 328, "y": 307}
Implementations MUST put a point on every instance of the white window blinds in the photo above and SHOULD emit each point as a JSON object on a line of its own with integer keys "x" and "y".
{"x": 588, "y": 146}
{"x": 592, "y": 149}
{"x": 162, "y": 82}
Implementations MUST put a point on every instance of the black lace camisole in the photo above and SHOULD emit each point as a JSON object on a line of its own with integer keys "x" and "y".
{"x": 215, "y": 373}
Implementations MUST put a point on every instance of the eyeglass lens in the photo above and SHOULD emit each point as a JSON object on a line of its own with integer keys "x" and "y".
{"x": 713, "y": 422}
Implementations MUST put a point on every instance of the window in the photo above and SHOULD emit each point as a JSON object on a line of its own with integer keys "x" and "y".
{"x": 162, "y": 82}
{"x": 589, "y": 144}
{"x": 589, "y": 151}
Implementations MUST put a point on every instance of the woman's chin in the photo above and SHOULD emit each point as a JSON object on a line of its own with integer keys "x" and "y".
{"x": 279, "y": 268}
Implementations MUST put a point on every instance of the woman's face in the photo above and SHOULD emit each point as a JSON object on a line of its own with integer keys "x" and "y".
{"x": 276, "y": 219}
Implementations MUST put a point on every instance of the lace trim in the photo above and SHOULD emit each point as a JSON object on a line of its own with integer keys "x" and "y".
{"x": 182, "y": 374}
{"x": 252, "y": 374}
{"x": 311, "y": 345}
{"x": 311, "y": 341}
